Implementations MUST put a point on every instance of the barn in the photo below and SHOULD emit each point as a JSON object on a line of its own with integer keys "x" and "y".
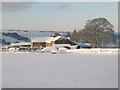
{"x": 43, "y": 41}
{"x": 65, "y": 40}
{"x": 39, "y": 42}
{"x": 22, "y": 44}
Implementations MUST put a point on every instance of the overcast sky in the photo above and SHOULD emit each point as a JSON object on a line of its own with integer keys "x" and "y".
{"x": 56, "y": 15}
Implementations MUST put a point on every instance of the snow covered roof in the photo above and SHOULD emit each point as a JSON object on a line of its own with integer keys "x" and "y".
{"x": 39, "y": 39}
{"x": 45, "y": 39}
{"x": 53, "y": 39}
{"x": 19, "y": 44}
{"x": 63, "y": 37}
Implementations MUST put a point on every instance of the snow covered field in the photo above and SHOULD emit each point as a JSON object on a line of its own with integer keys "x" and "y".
{"x": 69, "y": 70}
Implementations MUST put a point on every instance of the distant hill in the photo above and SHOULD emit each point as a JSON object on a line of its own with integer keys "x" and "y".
{"x": 15, "y": 35}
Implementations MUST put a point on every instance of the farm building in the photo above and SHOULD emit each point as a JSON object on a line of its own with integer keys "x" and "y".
{"x": 16, "y": 46}
{"x": 43, "y": 41}
{"x": 49, "y": 41}
{"x": 22, "y": 44}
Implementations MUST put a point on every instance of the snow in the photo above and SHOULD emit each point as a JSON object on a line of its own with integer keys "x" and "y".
{"x": 45, "y": 39}
{"x": 39, "y": 39}
{"x": 60, "y": 45}
{"x": 49, "y": 49}
{"x": 53, "y": 39}
{"x": 94, "y": 51}
{"x": 67, "y": 70}
{"x": 18, "y": 44}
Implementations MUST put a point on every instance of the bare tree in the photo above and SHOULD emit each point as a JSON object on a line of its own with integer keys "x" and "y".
{"x": 98, "y": 32}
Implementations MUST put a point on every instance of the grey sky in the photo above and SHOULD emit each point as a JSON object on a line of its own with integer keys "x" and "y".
{"x": 65, "y": 16}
